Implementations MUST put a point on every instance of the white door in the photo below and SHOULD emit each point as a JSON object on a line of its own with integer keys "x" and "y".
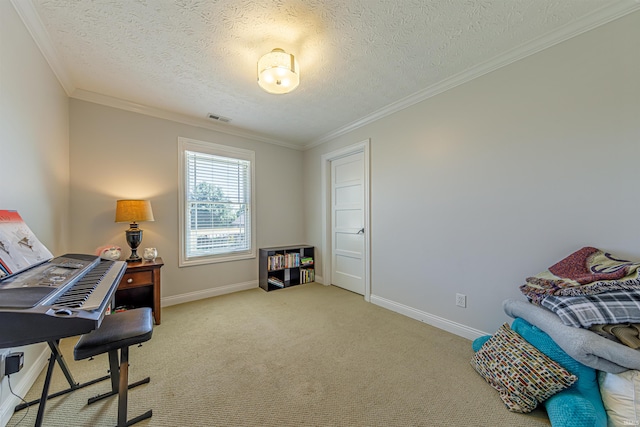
{"x": 347, "y": 223}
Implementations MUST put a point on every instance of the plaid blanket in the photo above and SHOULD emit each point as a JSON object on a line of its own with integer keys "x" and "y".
{"x": 605, "y": 308}
{"x": 588, "y": 271}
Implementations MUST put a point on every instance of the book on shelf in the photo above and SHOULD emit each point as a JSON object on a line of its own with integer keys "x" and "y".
{"x": 306, "y": 261}
{"x": 292, "y": 260}
{"x": 307, "y": 275}
{"x": 275, "y": 282}
{"x": 275, "y": 262}
{"x": 281, "y": 261}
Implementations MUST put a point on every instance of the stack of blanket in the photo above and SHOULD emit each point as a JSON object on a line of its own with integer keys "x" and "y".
{"x": 587, "y": 297}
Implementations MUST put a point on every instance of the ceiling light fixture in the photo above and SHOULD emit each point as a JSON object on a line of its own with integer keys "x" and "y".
{"x": 278, "y": 72}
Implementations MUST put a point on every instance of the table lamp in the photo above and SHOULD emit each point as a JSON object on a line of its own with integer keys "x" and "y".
{"x": 133, "y": 211}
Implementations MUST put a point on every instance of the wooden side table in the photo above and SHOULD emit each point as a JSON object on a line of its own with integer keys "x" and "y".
{"x": 140, "y": 286}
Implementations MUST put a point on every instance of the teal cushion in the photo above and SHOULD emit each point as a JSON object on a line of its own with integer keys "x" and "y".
{"x": 581, "y": 404}
{"x": 478, "y": 342}
{"x": 578, "y": 406}
{"x": 570, "y": 408}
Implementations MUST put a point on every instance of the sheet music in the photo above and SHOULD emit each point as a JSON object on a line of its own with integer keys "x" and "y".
{"x": 20, "y": 249}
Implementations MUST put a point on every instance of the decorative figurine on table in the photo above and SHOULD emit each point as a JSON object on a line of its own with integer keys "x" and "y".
{"x": 110, "y": 252}
{"x": 150, "y": 254}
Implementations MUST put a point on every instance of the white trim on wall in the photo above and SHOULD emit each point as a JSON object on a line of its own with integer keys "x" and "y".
{"x": 606, "y": 14}
{"x": 187, "y": 144}
{"x": 27, "y": 12}
{"x": 204, "y": 123}
{"x": 430, "y": 319}
{"x": 27, "y": 378}
{"x": 325, "y": 170}
{"x": 208, "y": 293}
{"x": 609, "y": 12}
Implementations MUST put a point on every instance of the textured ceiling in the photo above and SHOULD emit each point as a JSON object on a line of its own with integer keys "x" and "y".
{"x": 357, "y": 57}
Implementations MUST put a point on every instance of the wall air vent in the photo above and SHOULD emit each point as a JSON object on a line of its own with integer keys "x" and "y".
{"x": 218, "y": 118}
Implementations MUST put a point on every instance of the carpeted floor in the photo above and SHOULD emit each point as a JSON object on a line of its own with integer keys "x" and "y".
{"x": 310, "y": 355}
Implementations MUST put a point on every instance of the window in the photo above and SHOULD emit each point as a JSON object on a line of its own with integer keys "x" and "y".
{"x": 216, "y": 203}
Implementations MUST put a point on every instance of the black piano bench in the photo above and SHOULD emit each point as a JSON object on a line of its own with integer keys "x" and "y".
{"x": 118, "y": 331}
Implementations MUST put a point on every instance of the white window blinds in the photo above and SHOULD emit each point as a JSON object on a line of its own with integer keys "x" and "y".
{"x": 217, "y": 204}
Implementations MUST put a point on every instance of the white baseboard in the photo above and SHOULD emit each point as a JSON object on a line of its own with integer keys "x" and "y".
{"x": 31, "y": 374}
{"x": 27, "y": 378}
{"x": 439, "y": 322}
{"x": 208, "y": 293}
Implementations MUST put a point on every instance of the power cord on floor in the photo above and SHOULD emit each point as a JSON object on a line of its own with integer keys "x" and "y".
{"x": 23, "y": 401}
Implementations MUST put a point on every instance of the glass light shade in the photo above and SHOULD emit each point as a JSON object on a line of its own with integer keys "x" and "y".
{"x": 278, "y": 72}
{"x": 133, "y": 211}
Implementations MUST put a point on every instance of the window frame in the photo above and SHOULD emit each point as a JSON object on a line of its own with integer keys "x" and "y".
{"x": 210, "y": 148}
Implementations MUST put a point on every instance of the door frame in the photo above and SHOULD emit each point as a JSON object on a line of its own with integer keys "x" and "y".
{"x": 327, "y": 243}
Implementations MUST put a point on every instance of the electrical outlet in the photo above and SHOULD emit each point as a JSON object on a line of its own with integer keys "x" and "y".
{"x": 461, "y": 300}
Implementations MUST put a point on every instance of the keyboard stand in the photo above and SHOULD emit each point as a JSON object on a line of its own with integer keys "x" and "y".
{"x": 56, "y": 356}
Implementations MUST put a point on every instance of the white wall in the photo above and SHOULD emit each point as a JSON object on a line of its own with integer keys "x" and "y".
{"x": 477, "y": 188}
{"x": 34, "y": 159}
{"x": 119, "y": 154}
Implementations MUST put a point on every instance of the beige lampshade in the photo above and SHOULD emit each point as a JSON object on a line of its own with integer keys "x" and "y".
{"x": 133, "y": 211}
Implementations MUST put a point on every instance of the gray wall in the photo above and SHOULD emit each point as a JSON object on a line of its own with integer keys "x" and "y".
{"x": 116, "y": 154}
{"x": 495, "y": 180}
{"x": 34, "y": 157}
{"x": 471, "y": 190}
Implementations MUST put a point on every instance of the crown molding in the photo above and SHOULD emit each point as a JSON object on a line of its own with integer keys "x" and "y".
{"x": 36, "y": 28}
{"x": 27, "y": 12}
{"x": 121, "y": 104}
{"x": 593, "y": 20}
